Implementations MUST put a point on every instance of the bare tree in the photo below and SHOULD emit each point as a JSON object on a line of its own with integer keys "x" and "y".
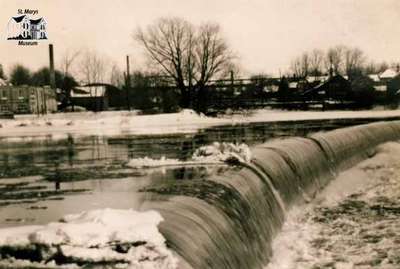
{"x": 301, "y": 65}
{"x": 316, "y": 62}
{"x": 353, "y": 61}
{"x": 334, "y": 59}
{"x": 191, "y": 55}
{"x": 295, "y": 67}
{"x": 212, "y": 56}
{"x": 67, "y": 60}
{"x": 305, "y": 64}
{"x": 92, "y": 67}
{"x": 116, "y": 76}
{"x": 93, "y": 70}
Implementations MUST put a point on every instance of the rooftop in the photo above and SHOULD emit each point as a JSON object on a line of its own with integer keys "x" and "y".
{"x": 19, "y": 19}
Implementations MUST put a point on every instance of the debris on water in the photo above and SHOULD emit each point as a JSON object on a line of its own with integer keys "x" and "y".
{"x": 37, "y": 207}
{"x": 20, "y": 220}
{"x": 22, "y": 124}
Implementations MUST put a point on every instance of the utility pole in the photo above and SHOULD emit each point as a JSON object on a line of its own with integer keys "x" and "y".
{"x": 52, "y": 78}
{"x": 232, "y": 93}
{"x": 127, "y": 83}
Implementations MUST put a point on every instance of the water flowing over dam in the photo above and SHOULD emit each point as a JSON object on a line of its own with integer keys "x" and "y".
{"x": 229, "y": 219}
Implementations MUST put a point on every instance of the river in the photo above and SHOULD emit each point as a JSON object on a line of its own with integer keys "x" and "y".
{"x": 43, "y": 180}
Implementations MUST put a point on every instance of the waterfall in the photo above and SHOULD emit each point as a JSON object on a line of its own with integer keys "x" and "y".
{"x": 228, "y": 220}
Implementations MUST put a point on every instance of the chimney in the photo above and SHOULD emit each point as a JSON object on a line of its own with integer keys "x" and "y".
{"x": 52, "y": 74}
{"x": 128, "y": 83}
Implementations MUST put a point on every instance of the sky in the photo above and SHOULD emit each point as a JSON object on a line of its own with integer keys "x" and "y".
{"x": 265, "y": 34}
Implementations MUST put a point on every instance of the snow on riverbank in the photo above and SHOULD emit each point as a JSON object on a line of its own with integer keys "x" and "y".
{"x": 263, "y": 115}
{"x": 352, "y": 224}
{"x": 123, "y": 238}
{"x": 58, "y": 126}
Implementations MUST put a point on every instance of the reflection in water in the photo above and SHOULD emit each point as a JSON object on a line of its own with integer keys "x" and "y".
{"x": 71, "y": 152}
{"x": 57, "y": 176}
{"x": 75, "y": 174}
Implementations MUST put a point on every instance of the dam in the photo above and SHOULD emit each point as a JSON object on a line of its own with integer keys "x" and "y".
{"x": 224, "y": 216}
{"x": 229, "y": 220}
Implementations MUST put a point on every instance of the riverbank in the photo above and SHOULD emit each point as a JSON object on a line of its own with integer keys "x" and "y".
{"x": 60, "y": 125}
{"x": 352, "y": 224}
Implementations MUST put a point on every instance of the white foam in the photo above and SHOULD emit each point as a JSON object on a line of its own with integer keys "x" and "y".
{"x": 342, "y": 242}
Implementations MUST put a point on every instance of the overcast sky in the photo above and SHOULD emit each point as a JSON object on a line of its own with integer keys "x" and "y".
{"x": 266, "y": 34}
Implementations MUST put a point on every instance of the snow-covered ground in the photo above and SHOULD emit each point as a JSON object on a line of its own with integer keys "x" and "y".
{"x": 121, "y": 238}
{"x": 263, "y": 115}
{"x": 353, "y": 224}
{"x": 58, "y": 126}
{"x": 124, "y": 122}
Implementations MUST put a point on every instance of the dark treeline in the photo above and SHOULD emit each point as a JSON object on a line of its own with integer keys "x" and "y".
{"x": 21, "y": 75}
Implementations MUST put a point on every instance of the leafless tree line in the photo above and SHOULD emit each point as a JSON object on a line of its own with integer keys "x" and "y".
{"x": 337, "y": 60}
{"x": 89, "y": 66}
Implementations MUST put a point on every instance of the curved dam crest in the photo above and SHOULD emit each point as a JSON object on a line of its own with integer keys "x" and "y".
{"x": 228, "y": 220}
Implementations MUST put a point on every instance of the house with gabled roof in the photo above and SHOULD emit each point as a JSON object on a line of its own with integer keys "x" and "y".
{"x": 336, "y": 87}
{"x": 22, "y": 27}
{"x": 388, "y": 74}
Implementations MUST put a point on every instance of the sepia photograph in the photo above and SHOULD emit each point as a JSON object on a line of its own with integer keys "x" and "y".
{"x": 183, "y": 134}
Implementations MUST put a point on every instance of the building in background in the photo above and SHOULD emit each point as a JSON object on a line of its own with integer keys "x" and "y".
{"x": 27, "y": 100}
{"x": 99, "y": 97}
{"x": 92, "y": 98}
{"x": 388, "y": 75}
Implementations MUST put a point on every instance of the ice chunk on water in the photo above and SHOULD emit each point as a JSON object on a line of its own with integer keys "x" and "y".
{"x": 149, "y": 162}
{"x": 100, "y": 236}
{"x": 210, "y": 154}
{"x": 223, "y": 152}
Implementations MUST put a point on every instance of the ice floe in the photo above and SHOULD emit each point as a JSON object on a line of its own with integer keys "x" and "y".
{"x": 216, "y": 153}
{"x": 123, "y": 238}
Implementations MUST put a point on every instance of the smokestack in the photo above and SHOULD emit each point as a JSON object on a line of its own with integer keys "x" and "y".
{"x": 52, "y": 74}
{"x": 128, "y": 83}
{"x": 128, "y": 73}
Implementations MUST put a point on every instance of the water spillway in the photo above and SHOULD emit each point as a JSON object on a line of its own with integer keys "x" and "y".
{"x": 229, "y": 219}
